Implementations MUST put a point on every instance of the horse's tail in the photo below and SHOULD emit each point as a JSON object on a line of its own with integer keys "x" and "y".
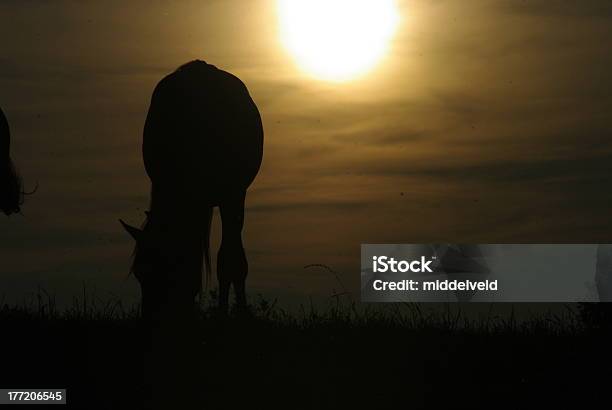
{"x": 207, "y": 227}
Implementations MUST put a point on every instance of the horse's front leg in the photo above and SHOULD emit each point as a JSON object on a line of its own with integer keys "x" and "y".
{"x": 232, "y": 266}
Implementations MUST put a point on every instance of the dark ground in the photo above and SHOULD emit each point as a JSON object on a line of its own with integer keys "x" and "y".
{"x": 398, "y": 358}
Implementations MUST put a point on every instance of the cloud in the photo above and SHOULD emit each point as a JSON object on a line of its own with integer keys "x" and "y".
{"x": 300, "y": 206}
{"x": 590, "y": 9}
{"x": 24, "y": 70}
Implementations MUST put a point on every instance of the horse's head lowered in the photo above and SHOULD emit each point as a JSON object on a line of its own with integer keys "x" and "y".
{"x": 167, "y": 267}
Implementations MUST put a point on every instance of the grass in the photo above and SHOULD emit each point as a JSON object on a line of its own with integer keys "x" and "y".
{"x": 343, "y": 356}
{"x": 342, "y": 313}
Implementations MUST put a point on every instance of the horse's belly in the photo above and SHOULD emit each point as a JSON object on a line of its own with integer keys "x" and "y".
{"x": 209, "y": 170}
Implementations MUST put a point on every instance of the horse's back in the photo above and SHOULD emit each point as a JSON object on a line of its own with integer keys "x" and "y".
{"x": 203, "y": 129}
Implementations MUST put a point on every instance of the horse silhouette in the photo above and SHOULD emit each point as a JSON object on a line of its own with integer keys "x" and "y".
{"x": 202, "y": 148}
{"x": 11, "y": 194}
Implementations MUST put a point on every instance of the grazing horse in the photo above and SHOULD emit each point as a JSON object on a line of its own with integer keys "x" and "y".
{"x": 11, "y": 195}
{"x": 202, "y": 147}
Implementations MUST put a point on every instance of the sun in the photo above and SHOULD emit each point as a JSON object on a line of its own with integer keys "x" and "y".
{"x": 337, "y": 40}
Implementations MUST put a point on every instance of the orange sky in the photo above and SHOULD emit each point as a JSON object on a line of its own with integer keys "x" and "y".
{"x": 486, "y": 122}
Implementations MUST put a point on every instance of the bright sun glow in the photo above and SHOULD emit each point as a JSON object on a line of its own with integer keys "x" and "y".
{"x": 337, "y": 40}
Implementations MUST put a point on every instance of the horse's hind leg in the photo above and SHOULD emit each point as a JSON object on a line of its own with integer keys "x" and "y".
{"x": 232, "y": 266}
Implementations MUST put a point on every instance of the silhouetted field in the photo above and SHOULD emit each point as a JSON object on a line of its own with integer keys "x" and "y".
{"x": 346, "y": 356}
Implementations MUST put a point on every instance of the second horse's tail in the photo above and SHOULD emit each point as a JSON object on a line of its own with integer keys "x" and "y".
{"x": 11, "y": 193}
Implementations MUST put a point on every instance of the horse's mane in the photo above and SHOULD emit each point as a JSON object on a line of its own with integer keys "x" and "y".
{"x": 146, "y": 226}
{"x": 136, "y": 248}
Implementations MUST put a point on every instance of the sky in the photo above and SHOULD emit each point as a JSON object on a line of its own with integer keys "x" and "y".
{"x": 483, "y": 122}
